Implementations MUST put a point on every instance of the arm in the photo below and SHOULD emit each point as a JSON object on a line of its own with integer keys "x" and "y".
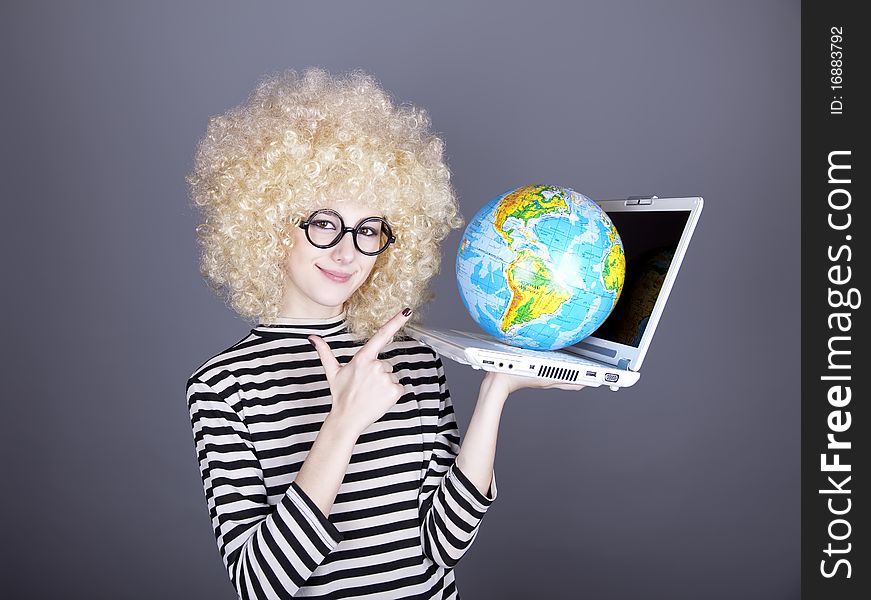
{"x": 323, "y": 469}
{"x": 451, "y": 506}
{"x": 453, "y": 513}
{"x": 478, "y": 452}
{"x": 479, "y": 447}
{"x": 269, "y": 551}
{"x": 361, "y": 391}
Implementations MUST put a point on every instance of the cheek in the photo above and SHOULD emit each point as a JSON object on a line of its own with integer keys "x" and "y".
{"x": 297, "y": 257}
{"x": 370, "y": 266}
{"x": 299, "y": 241}
{"x": 365, "y": 275}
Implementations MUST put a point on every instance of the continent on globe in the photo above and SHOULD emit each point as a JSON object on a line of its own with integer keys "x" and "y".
{"x": 615, "y": 267}
{"x": 528, "y": 203}
{"x": 534, "y": 291}
{"x": 540, "y": 267}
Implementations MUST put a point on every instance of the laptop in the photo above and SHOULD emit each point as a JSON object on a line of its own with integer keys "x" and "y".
{"x": 655, "y": 233}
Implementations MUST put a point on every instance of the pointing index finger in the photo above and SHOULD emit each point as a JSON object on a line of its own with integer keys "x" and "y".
{"x": 383, "y": 336}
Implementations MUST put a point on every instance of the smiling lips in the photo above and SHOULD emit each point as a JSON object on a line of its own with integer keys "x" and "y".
{"x": 335, "y": 276}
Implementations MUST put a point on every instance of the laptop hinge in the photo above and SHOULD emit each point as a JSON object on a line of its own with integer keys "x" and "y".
{"x": 623, "y": 363}
{"x": 633, "y": 200}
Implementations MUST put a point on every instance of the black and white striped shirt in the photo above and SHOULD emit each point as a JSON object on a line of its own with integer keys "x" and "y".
{"x": 404, "y": 514}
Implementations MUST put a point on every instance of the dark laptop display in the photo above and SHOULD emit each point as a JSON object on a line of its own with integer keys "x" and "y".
{"x": 649, "y": 241}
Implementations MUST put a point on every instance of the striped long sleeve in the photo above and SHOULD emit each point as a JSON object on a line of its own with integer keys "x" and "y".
{"x": 269, "y": 551}
{"x": 451, "y": 506}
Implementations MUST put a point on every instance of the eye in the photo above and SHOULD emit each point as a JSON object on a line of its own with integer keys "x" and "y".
{"x": 368, "y": 231}
{"x": 323, "y": 224}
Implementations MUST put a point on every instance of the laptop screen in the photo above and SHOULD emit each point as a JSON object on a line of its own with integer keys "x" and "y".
{"x": 650, "y": 239}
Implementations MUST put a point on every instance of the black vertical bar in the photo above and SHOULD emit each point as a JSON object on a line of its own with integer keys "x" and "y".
{"x": 836, "y": 562}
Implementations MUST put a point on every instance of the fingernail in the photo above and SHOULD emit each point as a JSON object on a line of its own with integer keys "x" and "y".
{"x": 406, "y": 311}
{"x": 310, "y": 340}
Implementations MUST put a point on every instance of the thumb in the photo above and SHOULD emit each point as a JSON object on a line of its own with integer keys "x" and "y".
{"x": 328, "y": 359}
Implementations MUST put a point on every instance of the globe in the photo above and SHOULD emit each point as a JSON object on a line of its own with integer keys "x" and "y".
{"x": 540, "y": 267}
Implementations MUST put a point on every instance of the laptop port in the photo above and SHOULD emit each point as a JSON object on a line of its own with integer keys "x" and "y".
{"x": 487, "y": 362}
{"x": 591, "y": 373}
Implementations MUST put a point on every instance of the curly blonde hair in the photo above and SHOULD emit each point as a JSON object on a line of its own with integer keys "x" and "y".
{"x": 296, "y": 143}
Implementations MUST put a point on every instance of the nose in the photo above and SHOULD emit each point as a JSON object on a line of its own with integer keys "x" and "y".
{"x": 344, "y": 251}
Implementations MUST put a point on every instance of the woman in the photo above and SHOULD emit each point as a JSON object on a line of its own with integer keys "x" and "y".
{"x": 327, "y": 441}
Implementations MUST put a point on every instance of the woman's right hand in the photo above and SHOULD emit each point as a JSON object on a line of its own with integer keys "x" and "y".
{"x": 365, "y": 388}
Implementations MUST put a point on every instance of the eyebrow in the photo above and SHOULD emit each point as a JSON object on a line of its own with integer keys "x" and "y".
{"x": 359, "y": 221}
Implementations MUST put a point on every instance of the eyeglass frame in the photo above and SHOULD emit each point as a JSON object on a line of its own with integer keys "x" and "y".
{"x": 340, "y": 233}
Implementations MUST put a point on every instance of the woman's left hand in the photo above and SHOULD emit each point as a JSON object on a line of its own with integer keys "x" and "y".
{"x": 512, "y": 383}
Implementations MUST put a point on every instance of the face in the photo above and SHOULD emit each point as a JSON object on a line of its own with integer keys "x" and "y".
{"x": 318, "y": 281}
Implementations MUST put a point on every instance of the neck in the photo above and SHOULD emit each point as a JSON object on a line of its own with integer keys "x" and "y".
{"x": 287, "y": 320}
{"x": 300, "y": 311}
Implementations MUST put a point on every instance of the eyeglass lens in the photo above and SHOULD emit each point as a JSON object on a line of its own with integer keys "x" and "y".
{"x": 326, "y": 227}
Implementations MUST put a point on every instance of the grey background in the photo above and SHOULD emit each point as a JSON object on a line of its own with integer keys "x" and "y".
{"x": 684, "y": 486}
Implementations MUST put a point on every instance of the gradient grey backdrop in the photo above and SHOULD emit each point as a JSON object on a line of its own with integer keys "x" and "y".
{"x": 684, "y": 486}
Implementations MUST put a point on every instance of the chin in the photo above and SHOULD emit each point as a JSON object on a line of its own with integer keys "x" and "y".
{"x": 333, "y": 300}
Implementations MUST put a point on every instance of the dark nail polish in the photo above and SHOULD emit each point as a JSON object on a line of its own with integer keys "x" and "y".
{"x": 406, "y": 311}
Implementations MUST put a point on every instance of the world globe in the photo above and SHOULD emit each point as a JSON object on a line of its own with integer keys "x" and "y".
{"x": 540, "y": 267}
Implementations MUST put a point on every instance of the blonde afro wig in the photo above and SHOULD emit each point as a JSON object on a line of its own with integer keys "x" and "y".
{"x": 296, "y": 143}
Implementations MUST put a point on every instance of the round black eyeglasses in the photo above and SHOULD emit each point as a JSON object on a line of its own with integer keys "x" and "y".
{"x": 325, "y": 228}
